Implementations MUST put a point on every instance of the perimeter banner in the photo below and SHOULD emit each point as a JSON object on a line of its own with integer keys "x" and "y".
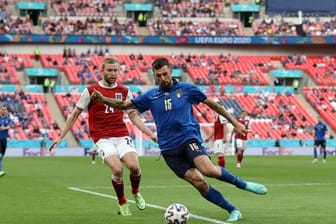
{"x": 153, "y": 151}
{"x": 183, "y": 40}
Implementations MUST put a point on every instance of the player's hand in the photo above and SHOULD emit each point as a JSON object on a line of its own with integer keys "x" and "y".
{"x": 96, "y": 95}
{"x": 241, "y": 129}
{"x": 54, "y": 144}
{"x": 154, "y": 137}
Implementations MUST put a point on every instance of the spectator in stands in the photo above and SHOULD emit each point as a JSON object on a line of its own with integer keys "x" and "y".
{"x": 6, "y": 123}
{"x": 296, "y": 85}
{"x": 37, "y": 53}
{"x": 46, "y": 84}
{"x": 180, "y": 136}
{"x": 109, "y": 132}
{"x": 320, "y": 136}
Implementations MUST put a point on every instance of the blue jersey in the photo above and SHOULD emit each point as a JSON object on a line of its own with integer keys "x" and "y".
{"x": 4, "y": 122}
{"x": 173, "y": 113}
{"x": 320, "y": 131}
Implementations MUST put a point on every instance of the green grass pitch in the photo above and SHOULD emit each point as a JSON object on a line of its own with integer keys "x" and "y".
{"x": 70, "y": 190}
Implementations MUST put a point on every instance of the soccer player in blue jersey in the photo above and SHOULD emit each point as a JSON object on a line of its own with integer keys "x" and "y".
{"x": 179, "y": 134}
{"x": 5, "y": 124}
{"x": 320, "y": 132}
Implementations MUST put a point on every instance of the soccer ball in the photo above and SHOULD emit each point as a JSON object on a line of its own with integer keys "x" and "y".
{"x": 176, "y": 214}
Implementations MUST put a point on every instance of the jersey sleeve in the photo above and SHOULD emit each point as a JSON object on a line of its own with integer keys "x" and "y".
{"x": 84, "y": 99}
{"x": 195, "y": 94}
{"x": 129, "y": 97}
{"x": 222, "y": 119}
{"x": 142, "y": 102}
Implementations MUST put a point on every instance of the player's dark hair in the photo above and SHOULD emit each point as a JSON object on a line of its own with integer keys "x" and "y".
{"x": 159, "y": 63}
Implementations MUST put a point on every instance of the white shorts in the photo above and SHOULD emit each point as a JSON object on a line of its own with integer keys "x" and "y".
{"x": 218, "y": 146}
{"x": 221, "y": 147}
{"x": 115, "y": 146}
{"x": 241, "y": 144}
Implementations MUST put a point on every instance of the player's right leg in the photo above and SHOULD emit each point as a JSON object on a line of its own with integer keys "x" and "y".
{"x": 131, "y": 161}
{"x": 111, "y": 158}
{"x": 316, "y": 144}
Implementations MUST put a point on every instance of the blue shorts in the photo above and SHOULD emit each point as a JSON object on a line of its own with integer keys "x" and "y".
{"x": 182, "y": 158}
{"x": 321, "y": 143}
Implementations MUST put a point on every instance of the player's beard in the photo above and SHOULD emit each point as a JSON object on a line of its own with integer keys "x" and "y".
{"x": 110, "y": 81}
{"x": 165, "y": 84}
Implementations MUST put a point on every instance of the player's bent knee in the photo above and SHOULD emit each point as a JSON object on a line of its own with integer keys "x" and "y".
{"x": 202, "y": 187}
{"x": 210, "y": 172}
{"x": 135, "y": 170}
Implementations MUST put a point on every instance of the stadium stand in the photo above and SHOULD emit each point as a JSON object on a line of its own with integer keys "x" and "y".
{"x": 323, "y": 99}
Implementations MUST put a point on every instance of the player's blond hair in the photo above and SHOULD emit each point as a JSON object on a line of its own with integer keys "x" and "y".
{"x": 109, "y": 60}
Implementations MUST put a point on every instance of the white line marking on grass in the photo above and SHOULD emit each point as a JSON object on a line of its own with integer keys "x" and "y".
{"x": 148, "y": 205}
{"x": 184, "y": 186}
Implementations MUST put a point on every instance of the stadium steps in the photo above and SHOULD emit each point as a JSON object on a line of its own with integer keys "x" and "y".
{"x": 143, "y": 31}
{"x": 22, "y": 78}
{"x": 278, "y": 64}
{"x": 148, "y": 80}
{"x": 57, "y": 114}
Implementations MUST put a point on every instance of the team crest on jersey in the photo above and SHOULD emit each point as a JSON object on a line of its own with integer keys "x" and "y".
{"x": 178, "y": 93}
{"x": 118, "y": 96}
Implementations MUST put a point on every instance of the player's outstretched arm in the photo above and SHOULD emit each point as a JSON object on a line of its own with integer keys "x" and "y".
{"x": 68, "y": 124}
{"x": 220, "y": 110}
{"x": 138, "y": 122}
{"x": 122, "y": 105}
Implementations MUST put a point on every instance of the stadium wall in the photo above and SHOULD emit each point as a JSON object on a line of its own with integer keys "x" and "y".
{"x": 168, "y": 49}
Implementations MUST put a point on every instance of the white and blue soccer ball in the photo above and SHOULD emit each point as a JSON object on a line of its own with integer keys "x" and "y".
{"x": 176, "y": 214}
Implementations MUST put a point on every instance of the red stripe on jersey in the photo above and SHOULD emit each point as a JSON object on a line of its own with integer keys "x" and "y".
{"x": 105, "y": 121}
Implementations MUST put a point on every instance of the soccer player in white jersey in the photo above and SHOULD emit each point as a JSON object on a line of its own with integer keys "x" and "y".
{"x": 110, "y": 134}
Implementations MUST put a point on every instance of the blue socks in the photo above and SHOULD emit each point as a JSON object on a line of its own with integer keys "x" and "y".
{"x": 324, "y": 154}
{"x": 217, "y": 198}
{"x": 231, "y": 179}
{"x": 315, "y": 154}
{"x": 0, "y": 161}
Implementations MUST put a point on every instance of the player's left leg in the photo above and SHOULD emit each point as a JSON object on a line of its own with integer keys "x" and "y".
{"x": 195, "y": 178}
{"x": 129, "y": 156}
{"x": 93, "y": 157}
{"x": 205, "y": 166}
{"x": 219, "y": 152}
{"x": 221, "y": 160}
{"x": 240, "y": 152}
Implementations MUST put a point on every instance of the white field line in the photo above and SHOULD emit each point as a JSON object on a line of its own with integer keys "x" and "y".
{"x": 184, "y": 186}
{"x": 148, "y": 205}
